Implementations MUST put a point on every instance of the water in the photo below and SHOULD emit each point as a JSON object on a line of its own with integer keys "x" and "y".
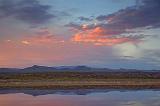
{"x": 79, "y": 97}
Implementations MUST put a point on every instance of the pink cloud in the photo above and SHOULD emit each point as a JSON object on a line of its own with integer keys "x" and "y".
{"x": 99, "y": 36}
{"x": 43, "y": 36}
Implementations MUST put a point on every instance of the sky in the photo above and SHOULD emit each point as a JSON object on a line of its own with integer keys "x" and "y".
{"x": 95, "y": 33}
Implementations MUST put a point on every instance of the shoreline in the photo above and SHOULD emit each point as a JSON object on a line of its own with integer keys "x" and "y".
{"x": 77, "y": 80}
{"x": 82, "y": 85}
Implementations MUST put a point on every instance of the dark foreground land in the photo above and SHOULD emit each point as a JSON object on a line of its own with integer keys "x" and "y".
{"x": 79, "y": 80}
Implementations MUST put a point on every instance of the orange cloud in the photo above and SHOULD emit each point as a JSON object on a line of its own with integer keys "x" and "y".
{"x": 98, "y": 36}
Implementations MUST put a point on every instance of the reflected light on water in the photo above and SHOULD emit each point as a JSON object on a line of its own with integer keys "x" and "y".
{"x": 112, "y": 98}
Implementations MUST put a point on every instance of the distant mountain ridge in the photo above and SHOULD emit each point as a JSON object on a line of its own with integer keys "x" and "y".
{"x": 37, "y": 68}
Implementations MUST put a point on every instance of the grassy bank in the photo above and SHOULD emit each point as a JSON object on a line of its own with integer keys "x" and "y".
{"x": 76, "y": 80}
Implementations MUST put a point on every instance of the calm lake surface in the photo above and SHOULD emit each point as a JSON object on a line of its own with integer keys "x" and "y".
{"x": 79, "y": 97}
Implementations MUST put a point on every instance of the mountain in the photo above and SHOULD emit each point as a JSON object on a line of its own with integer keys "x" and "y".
{"x": 36, "y": 69}
{"x": 9, "y": 70}
{"x": 73, "y": 68}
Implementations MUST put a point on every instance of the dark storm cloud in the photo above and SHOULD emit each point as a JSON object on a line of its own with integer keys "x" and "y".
{"x": 144, "y": 14}
{"x": 102, "y": 17}
{"x": 84, "y": 19}
{"x": 29, "y": 11}
{"x": 118, "y": 27}
{"x": 73, "y": 25}
{"x": 79, "y": 27}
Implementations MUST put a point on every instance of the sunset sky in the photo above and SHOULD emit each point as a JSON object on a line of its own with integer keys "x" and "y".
{"x": 96, "y": 33}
